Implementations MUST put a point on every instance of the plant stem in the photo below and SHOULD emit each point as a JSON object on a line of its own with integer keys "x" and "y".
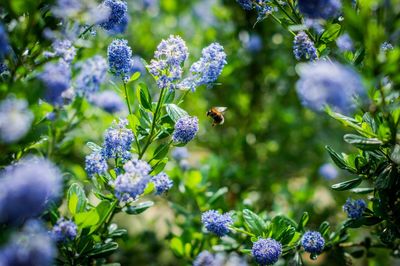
{"x": 284, "y": 11}
{"x": 280, "y": 22}
{"x": 241, "y": 231}
{"x": 153, "y": 124}
{"x": 85, "y": 31}
{"x": 127, "y": 98}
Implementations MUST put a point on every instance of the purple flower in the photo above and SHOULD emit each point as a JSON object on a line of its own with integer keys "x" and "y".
{"x": 216, "y": 223}
{"x": 185, "y": 129}
{"x": 162, "y": 183}
{"x": 354, "y": 208}
{"x": 266, "y": 251}
{"x": 64, "y": 230}
{"x": 313, "y": 242}
{"x": 303, "y": 47}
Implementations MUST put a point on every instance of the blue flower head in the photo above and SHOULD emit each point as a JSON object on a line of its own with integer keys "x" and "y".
{"x": 92, "y": 74}
{"x": 207, "y": 69}
{"x": 117, "y": 12}
{"x": 328, "y": 171}
{"x": 162, "y": 183}
{"x": 166, "y": 66}
{"x": 130, "y": 185}
{"x": 354, "y": 208}
{"x": 185, "y": 129}
{"x": 180, "y": 153}
{"x": 64, "y": 230}
{"x": 120, "y": 27}
{"x": 204, "y": 258}
{"x": 57, "y": 78}
{"x": 316, "y": 9}
{"x": 303, "y": 47}
{"x": 216, "y": 223}
{"x": 26, "y": 188}
{"x": 120, "y": 58}
{"x": 63, "y": 49}
{"x": 4, "y": 44}
{"x": 344, "y": 43}
{"x": 323, "y": 83}
{"x": 109, "y": 101}
{"x": 245, "y": 4}
{"x": 33, "y": 246}
{"x": 117, "y": 141}
{"x": 263, "y": 9}
{"x": 95, "y": 164}
{"x": 15, "y": 119}
{"x": 386, "y": 46}
{"x": 266, "y": 251}
{"x": 313, "y": 242}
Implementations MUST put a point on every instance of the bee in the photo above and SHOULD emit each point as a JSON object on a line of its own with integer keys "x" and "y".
{"x": 217, "y": 114}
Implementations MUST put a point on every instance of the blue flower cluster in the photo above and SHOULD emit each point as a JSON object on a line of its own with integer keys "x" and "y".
{"x": 263, "y": 7}
{"x": 344, "y": 43}
{"x": 266, "y": 251}
{"x": 26, "y": 188}
{"x": 131, "y": 184}
{"x": 57, "y": 78}
{"x": 328, "y": 171}
{"x": 216, "y": 223}
{"x": 162, "y": 183}
{"x": 303, "y": 47}
{"x": 4, "y": 45}
{"x": 92, "y": 74}
{"x": 205, "y": 258}
{"x": 109, "y": 101}
{"x": 117, "y": 141}
{"x": 386, "y": 46}
{"x": 120, "y": 27}
{"x": 180, "y": 153}
{"x": 207, "y": 69}
{"x": 313, "y": 242}
{"x": 32, "y": 246}
{"x": 15, "y": 119}
{"x": 64, "y": 230}
{"x": 167, "y": 63}
{"x": 323, "y": 83}
{"x": 316, "y": 9}
{"x": 117, "y": 12}
{"x": 120, "y": 58}
{"x": 63, "y": 49}
{"x": 354, "y": 208}
{"x": 185, "y": 129}
{"x": 95, "y": 164}
{"x": 245, "y": 4}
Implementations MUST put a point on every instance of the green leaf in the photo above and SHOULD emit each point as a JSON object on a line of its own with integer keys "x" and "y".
{"x": 362, "y": 142}
{"x": 170, "y": 96}
{"x": 346, "y": 185}
{"x": 144, "y": 96}
{"x": 161, "y": 151}
{"x": 339, "y": 160}
{"x": 135, "y": 76}
{"x": 76, "y": 199}
{"x": 255, "y": 223}
{"x": 159, "y": 166}
{"x": 303, "y": 221}
{"x": 104, "y": 209}
{"x": 93, "y": 146}
{"x": 87, "y": 219}
{"x": 364, "y": 220}
{"x": 363, "y": 190}
{"x": 177, "y": 246}
{"x": 102, "y": 250}
{"x": 331, "y": 33}
{"x": 280, "y": 225}
{"x": 220, "y": 192}
{"x": 141, "y": 207}
{"x": 175, "y": 112}
{"x": 324, "y": 228}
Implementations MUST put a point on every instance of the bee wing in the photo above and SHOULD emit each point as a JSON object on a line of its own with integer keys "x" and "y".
{"x": 221, "y": 109}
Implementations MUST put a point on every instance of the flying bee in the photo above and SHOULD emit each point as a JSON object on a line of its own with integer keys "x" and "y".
{"x": 217, "y": 114}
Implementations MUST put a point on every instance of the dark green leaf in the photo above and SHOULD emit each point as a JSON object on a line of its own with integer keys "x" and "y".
{"x": 324, "y": 228}
{"x": 357, "y": 254}
{"x": 102, "y": 250}
{"x": 363, "y": 190}
{"x": 347, "y": 184}
{"x": 175, "y": 112}
{"x": 141, "y": 207}
{"x": 220, "y": 192}
{"x": 303, "y": 221}
{"x": 339, "y": 160}
{"x": 144, "y": 96}
{"x": 161, "y": 151}
{"x": 362, "y": 142}
{"x": 255, "y": 223}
